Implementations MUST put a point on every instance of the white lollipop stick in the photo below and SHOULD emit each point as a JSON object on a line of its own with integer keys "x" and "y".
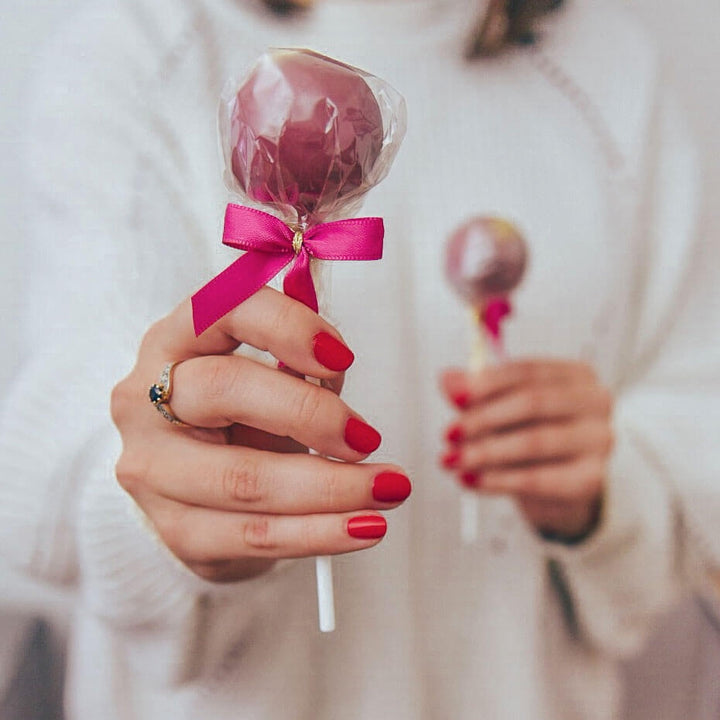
{"x": 469, "y": 500}
{"x": 485, "y": 351}
{"x": 324, "y": 580}
{"x": 323, "y": 563}
{"x": 325, "y": 594}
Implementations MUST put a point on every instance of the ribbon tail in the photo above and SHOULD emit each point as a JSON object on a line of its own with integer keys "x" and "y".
{"x": 233, "y": 285}
{"x": 493, "y": 315}
{"x": 298, "y": 283}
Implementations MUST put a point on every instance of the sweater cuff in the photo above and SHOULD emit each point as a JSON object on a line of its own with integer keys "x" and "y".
{"x": 623, "y": 575}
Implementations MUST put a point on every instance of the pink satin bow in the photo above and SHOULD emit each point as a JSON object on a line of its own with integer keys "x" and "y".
{"x": 493, "y": 315}
{"x": 270, "y": 246}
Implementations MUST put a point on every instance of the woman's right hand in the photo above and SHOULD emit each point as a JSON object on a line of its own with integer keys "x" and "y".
{"x": 237, "y": 490}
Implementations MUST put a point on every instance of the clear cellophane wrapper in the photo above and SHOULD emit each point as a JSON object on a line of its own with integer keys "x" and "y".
{"x": 304, "y": 136}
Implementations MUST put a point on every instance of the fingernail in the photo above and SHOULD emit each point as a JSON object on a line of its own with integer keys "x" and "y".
{"x": 367, "y": 527}
{"x": 461, "y": 399}
{"x": 391, "y": 487}
{"x": 470, "y": 480}
{"x": 455, "y": 434}
{"x": 361, "y": 437}
{"x": 450, "y": 459}
{"x": 331, "y": 353}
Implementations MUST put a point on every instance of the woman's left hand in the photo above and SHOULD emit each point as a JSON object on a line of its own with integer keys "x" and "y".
{"x": 537, "y": 430}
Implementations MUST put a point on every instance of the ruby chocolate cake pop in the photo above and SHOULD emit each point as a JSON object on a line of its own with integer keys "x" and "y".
{"x": 306, "y": 131}
{"x": 485, "y": 260}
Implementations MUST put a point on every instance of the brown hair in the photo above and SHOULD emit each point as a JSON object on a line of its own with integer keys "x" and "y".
{"x": 503, "y": 24}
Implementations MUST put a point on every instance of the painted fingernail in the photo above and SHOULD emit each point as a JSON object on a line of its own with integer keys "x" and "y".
{"x": 461, "y": 399}
{"x": 391, "y": 487}
{"x": 455, "y": 434}
{"x": 470, "y": 480}
{"x": 367, "y": 527}
{"x": 331, "y": 353}
{"x": 450, "y": 459}
{"x": 361, "y": 437}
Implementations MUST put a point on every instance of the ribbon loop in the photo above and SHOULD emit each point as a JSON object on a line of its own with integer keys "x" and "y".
{"x": 270, "y": 245}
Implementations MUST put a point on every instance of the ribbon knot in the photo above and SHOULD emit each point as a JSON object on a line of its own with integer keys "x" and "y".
{"x": 270, "y": 245}
{"x": 297, "y": 241}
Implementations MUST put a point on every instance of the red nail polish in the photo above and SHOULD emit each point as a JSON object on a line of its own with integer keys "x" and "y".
{"x": 367, "y": 527}
{"x": 331, "y": 353}
{"x": 471, "y": 480}
{"x": 455, "y": 434}
{"x": 461, "y": 399}
{"x": 391, "y": 487}
{"x": 450, "y": 459}
{"x": 361, "y": 437}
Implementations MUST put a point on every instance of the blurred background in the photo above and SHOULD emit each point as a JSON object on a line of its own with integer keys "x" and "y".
{"x": 34, "y": 619}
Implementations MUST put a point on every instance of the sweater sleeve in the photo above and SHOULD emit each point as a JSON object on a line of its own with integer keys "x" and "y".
{"x": 656, "y": 533}
{"x": 114, "y": 239}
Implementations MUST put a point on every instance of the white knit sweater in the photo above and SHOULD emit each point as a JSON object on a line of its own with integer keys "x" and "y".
{"x": 578, "y": 146}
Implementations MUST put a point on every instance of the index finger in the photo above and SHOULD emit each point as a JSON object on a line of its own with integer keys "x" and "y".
{"x": 268, "y": 321}
{"x": 466, "y": 388}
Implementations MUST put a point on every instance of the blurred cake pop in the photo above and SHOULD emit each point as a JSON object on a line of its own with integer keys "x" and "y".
{"x": 485, "y": 260}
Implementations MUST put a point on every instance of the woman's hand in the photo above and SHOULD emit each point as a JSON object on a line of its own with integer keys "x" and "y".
{"x": 237, "y": 491}
{"x": 538, "y": 430}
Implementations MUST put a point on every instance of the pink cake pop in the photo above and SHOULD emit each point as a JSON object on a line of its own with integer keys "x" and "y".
{"x": 306, "y": 136}
{"x": 305, "y": 131}
{"x": 485, "y": 261}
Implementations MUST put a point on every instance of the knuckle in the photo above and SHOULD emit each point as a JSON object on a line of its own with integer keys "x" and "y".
{"x": 207, "y": 571}
{"x": 307, "y": 406}
{"x": 535, "y": 402}
{"x": 606, "y": 401}
{"x": 308, "y": 537}
{"x": 154, "y": 334}
{"x": 241, "y": 482}
{"x": 217, "y": 378}
{"x": 530, "y": 482}
{"x": 283, "y": 317}
{"x": 330, "y": 489}
{"x": 588, "y": 489}
{"x": 586, "y": 372}
{"x": 523, "y": 371}
{"x": 587, "y": 485}
{"x": 130, "y": 474}
{"x": 604, "y": 440}
{"x": 257, "y": 534}
{"x": 609, "y": 441}
{"x": 121, "y": 402}
{"x": 172, "y": 532}
{"x": 535, "y": 443}
{"x": 574, "y": 492}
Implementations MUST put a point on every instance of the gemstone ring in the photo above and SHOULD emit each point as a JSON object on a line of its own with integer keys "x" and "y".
{"x": 160, "y": 393}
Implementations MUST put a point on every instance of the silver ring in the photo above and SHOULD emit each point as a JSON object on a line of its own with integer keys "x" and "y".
{"x": 160, "y": 393}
